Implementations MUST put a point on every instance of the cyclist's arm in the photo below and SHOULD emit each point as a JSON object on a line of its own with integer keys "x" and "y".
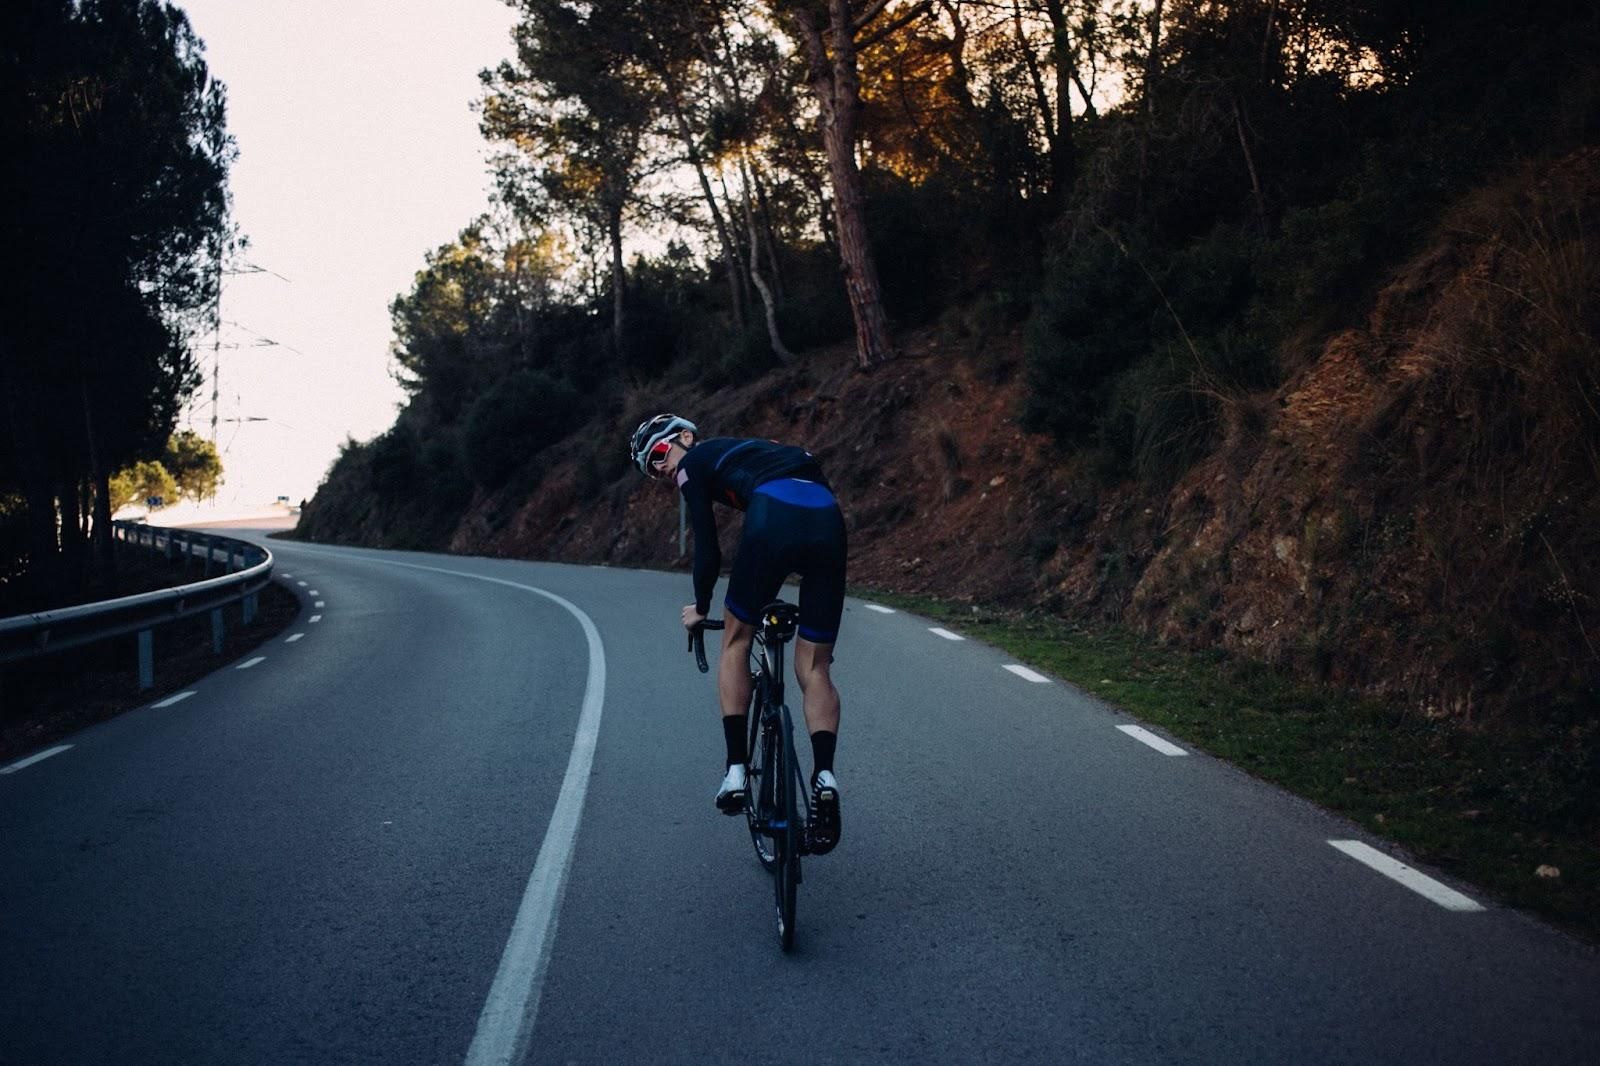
{"x": 707, "y": 552}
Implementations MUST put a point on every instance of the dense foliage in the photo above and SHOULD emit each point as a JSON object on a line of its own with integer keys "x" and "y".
{"x": 1177, "y": 199}
{"x": 115, "y": 158}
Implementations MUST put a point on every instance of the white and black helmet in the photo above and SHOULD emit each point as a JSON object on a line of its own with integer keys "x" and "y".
{"x": 652, "y": 433}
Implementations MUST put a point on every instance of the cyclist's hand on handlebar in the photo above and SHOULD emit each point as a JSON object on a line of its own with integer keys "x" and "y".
{"x": 697, "y": 624}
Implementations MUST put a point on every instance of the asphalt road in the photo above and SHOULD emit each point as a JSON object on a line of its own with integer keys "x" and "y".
{"x": 465, "y": 815}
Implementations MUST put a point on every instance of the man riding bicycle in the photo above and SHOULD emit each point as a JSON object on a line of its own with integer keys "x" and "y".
{"x": 792, "y": 525}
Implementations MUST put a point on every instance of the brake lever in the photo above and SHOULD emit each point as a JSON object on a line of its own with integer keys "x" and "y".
{"x": 697, "y": 642}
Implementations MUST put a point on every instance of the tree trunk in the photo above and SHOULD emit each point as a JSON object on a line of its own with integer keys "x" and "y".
{"x": 834, "y": 81}
{"x": 618, "y": 279}
{"x": 779, "y": 349}
{"x": 72, "y": 544}
{"x": 730, "y": 252}
{"x": 100, "y": 533}
{"x": 1250, "y": 165}
{"x": 1063, "y": 153}
{"x": 40, "y": 577}
{"x": 1031, "y": 61}
{"x": 960, "y": 82}
{"x": 44, "y": 553}
{"x": 101, "y": 530}
{"x": 769, "y": 235}
{"x": 1152, "y": 65}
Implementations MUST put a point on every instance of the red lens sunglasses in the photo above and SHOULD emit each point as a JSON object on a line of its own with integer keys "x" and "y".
{"x": 658, "y": 457}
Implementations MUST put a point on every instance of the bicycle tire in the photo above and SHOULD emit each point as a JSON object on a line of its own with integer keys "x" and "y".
{"x": 786, "y": 874}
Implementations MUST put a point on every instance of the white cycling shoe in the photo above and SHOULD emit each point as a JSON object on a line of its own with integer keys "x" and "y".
{"x": 730, "y": 796}
{"x": 823, "y": 832}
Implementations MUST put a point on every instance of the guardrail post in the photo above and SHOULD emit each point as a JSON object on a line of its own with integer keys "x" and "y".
{"x": 147, "y": 660}
{"x": 209, "y": 549}
{"x": 172, "y": 546}
{"x": 249, "y": 607}
{"x": 188, "y": 551}
{"x": 216, "y": 630}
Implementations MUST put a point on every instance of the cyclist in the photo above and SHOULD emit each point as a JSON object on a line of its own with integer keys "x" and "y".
{"x": 792, "y": 524}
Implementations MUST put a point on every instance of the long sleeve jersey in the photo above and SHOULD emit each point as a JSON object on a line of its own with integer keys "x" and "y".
{"x": 727, "y": 470}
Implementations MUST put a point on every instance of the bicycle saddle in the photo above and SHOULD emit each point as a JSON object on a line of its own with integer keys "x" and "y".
{"x": 778, "y": 619}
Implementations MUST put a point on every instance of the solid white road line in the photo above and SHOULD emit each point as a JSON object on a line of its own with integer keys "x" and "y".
{"x": 170, "y": 700}
{"x": 38, "y": 757}
{"x": 248, "y": 663}
{"x": 1144, "y": 736}
{"x": 507, "y": 1020}
{"x": 316, "y": 618}
{"x": 945, "y": 633}
{"x": 880, "y": 610}
{"x": 1415, "y": 880}
{"x": 1026, "y": 674}
{"x": 294, "y": 638}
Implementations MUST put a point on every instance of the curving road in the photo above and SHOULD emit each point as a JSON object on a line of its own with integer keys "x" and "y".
{"x": 461, "y": 812}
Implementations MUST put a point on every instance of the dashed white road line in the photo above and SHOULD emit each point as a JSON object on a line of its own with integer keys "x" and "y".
{"x": 286, "y": 576}
{"x": 880, "y": 609}
{"x": 945, "y": 633}
{"x": 37, "y": 757}
{"x": 314, "y": 592}
{"x": 316, "y": 618}
{"x": 1144, "y": 736}
{"x": 294, "y": 638}
{"x": 1026, "y": 674}
{"x": 302, "y": 584}
{"x": 170, "y": 700}
{"x": 248, "y": 663}
{"x": 319, "y": 603}
{"x": 1415, "y": 880}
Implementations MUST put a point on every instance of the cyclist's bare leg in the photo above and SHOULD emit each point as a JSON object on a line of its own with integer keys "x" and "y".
{"x": 733, "y": 669}
{"x": 813, "y": 669}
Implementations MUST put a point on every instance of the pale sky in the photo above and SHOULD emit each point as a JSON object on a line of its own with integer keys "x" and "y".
{"x": 358, "y": 154}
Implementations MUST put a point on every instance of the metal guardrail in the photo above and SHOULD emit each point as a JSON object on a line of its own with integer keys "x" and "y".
{"x": 245, "y": 569}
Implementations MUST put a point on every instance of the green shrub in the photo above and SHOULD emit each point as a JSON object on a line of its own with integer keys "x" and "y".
{"x": 1092, "y": 318}
{"x": 514, "y": 420}
{"x": 1158, "y": 418}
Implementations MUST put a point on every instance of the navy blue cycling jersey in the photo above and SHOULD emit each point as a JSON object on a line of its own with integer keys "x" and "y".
{"x": 728, "y": 470}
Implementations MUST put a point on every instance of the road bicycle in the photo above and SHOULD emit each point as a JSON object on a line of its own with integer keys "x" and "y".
{"x": 777, "y": 804}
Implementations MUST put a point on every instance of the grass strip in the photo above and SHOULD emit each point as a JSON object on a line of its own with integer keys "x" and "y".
{"x": 1499, "y": 807}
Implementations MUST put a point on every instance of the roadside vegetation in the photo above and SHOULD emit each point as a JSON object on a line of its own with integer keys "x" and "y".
{"x": 116, "y": 154}
{"x": 1512, "y": 809}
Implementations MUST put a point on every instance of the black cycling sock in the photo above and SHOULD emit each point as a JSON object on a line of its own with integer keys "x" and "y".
{"x": 822, "y": 745}
{"x": 733, "y": 726}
